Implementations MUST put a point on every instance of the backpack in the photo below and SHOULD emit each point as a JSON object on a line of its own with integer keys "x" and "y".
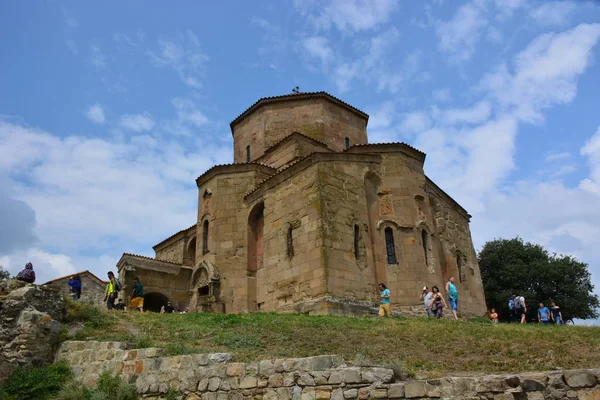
{"x": 511, "y": 304}
{"x": 118, "y": 286}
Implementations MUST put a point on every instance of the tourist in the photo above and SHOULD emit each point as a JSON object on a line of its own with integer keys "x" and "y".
{"x": 112, "y": 290}
{"x": 556, "y": 315}
{"x": 520, "y": 309}
{"x": 75, "y": 284}
{"x": 27, "y": 275}
{"x": 384, "y": 297}
{"x": 493, "y": 316}
{"x": 437, "y": 303}
{"x": 452, "y": 296}
{"x": 120, "y": 305}
{"x": 168, "y": 309}
{"x": 426, "y": 298}
{"x": 543, "y": 314}
{"x": 137, "y": 295}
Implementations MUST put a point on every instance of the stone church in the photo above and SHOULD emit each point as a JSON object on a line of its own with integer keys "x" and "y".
{"x": 309, "y": 218}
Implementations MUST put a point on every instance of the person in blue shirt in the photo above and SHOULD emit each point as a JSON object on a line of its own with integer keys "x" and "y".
{"x": 384, "y": 296}
{"x": 75, "y": 284}
{"x": 543, "y": 314}
{"x": 452, "y": 296}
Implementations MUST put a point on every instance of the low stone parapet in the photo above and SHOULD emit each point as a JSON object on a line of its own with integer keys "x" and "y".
{"x": 216, "y": 376}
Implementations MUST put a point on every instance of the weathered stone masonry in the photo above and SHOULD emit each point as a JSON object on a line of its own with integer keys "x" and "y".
{"x": 216, "y": 376}
{"x": 309, "y": 218}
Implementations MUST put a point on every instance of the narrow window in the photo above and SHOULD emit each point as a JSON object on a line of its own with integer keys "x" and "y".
{"x": 290, "y": 241}
{"x": 459, "y": 266}
{"x": 347, "y": 142}
{"x": 356, "y": 241}
{"x": 389, "y": 246}
{"x": 248, "y": 153}
{"x": 205, "y": 237}
{"x": 425, "y": 239}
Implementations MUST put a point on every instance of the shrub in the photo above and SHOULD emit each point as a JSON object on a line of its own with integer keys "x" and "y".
{"x": 109, "y": 387}
{"x": 37, "y": 382}
{"x": 90, "y": 315}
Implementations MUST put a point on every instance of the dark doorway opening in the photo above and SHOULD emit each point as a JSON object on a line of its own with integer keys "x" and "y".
{"x": 154, "y": 301}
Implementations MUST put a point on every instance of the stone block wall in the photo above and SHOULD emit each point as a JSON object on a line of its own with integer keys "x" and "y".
{"x": 174, "y": 252}
{"x": 216, "y": 376}
{"x": 92, "y": 290}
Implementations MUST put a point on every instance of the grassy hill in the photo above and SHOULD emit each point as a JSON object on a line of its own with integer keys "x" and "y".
{"x": 421, "y": 347}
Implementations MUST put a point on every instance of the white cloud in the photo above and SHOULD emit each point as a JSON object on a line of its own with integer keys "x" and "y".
{"x": 441, "y": 95}
{"x": 273, "y": 44}
{"x": 591, "y": 150}
{"x": 553, "y": 157}
{"x": 544, "y": 74}
{"x": 348, "y": 15}
{"x": 72, "y": 46}
{"x": 95, "y": 113}
{"x": 459, "y": 36}
{"x": 98, "y": 59}
{"x": 318, "y": 47}
{"x": 137, "y": 122}
{"x": 415, "y": 122}
{"x": 18, "y": 220}
{"x": 556, "y": 13}
{"x": 372, "y": 67}
{"x": 188, "y": 112}
{"x": 184, "y": 55}
{"x": 479, "y": 113}
{"x": 90, "y": 194}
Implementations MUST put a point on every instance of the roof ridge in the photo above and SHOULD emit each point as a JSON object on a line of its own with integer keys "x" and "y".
{"x": 151, "y": 258}
{"x": 295, "y": 96}
{"x": 75, "y": 273}
{"x": 175, "y": 234}
{"x": 385, "y": 144}
{"x": 290, "y": 135}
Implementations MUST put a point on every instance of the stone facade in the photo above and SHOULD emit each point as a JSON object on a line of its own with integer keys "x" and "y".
{"x": 216, "y": 376}
{"x": 310, "y": 218}
{"x": 30, "y": 322}
{"x": 93, "y": 288}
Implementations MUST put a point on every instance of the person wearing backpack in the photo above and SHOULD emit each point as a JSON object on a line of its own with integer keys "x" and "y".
{"x": 520, "y": 308}
{"x": 112, "y": 290}
{"x": 511, "y": 308}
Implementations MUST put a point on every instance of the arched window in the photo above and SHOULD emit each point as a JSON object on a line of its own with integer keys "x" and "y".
{"x": 347, "y": 142}
{"x": 205, "y": 237}
{"x": 389, "y": 246}
{"x": 425, "y": 239}
{"x": 356, "y": 241}
{"x": 248, "y": 153}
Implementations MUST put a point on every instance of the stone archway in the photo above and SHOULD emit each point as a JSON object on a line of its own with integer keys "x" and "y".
{"x": 154, "y": 301}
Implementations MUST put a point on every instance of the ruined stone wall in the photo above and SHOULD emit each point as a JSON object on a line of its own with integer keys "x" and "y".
{"x": 456, "y": 246}
{"x": 92, "y": 291}
{"x": 317, "y": 118}
{"x": 215, "y": 376}
{"x": 30, "y": 321}
{"x": 285, "y": 281}
{"x": 227, "y": 238}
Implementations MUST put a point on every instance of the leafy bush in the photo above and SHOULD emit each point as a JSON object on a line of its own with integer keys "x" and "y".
{"x": 38, "y": 383}
{"x": 90, "y": 315}
{"x": 109, "y": 387}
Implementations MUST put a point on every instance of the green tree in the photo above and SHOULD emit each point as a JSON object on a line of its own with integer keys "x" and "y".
{"x": 513, "y": 267}
{"x": 4, "y": 274}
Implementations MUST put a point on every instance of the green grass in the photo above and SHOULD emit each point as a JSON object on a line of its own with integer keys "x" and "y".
{"x": 417, "y": 346}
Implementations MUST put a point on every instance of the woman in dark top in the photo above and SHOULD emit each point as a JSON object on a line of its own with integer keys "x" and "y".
{"x": 438, "y": 303}
{"x": 555, "y": 313}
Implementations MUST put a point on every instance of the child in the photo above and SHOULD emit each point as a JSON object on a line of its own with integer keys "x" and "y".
{"x": 493, "y": 316}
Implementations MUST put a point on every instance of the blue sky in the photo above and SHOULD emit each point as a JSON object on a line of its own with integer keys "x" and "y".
{"x": 110, "y": 110}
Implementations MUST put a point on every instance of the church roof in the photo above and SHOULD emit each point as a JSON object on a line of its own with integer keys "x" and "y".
{"x": 296, "y": 96}
{"x": 172, "y": 236}
{"x": 234, "y": 165}
{"x": 386, "y": 145}
{"x": 76, "y": 273}
{"x": 289, "y": 137}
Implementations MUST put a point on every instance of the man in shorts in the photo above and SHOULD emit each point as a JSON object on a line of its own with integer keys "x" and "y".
{"x": 452, "y": 296}
{"x": 384, "y": 297}
{"x": 137, "y": 296}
